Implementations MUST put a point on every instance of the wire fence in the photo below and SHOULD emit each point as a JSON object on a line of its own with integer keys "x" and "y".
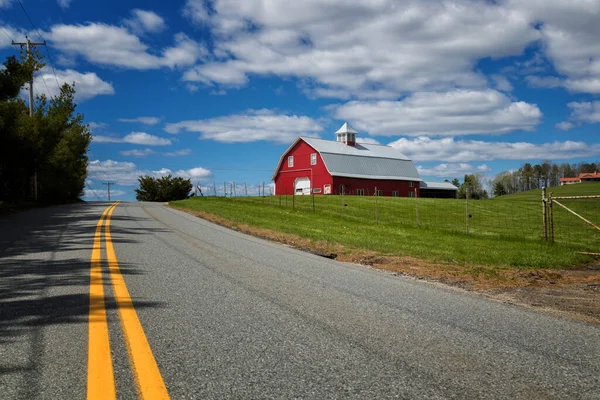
{"x": 574, "y": 220}
{"x": 512, "y": 218}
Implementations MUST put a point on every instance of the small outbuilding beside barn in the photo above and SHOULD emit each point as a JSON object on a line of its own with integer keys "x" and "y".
{"x": 345, "y": 166}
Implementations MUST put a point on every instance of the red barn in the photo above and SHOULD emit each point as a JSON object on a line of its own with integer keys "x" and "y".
{"x": 344, "y": 166}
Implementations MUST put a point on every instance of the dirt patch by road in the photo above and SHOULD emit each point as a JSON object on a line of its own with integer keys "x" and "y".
{"x": 572, "y": 293}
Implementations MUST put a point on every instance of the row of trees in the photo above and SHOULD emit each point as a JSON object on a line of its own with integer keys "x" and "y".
{"x": 43, "y": 154}
{"x": 165, "y": 188}
{"x": 473, "y": 184}
{"x": 546, "y": 174}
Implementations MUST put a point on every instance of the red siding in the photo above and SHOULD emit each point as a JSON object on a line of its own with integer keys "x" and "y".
{"x": 319, "y": 177}
{"x": 368, "y": 185}
{"x": 286, "y": 176}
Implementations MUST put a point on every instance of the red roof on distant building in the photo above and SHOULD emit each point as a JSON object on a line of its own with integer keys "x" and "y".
{"x": 568, "y": 179}
{"x": 590, "y": 175}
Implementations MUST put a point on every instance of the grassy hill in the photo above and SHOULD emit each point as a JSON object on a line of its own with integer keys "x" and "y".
{"x": 579, "y": 189}
{"x": 503, "y": 231}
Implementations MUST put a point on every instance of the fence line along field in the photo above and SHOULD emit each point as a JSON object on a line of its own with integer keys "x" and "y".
{"x": 506, "y": 230}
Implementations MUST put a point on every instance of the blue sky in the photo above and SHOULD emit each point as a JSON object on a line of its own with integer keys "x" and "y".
{"x": 217, "y": 90}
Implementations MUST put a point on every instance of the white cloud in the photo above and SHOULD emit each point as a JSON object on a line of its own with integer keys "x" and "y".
{"x": 138, "y": 152}
{"x": 254, "y": 125}
{"x": 585, "y": 111}
{"x": 64, "y": 3}
{"x": 142, "y": 138}
{"x": 387, "y": 48}
{"x": 448, "y": 149}
{"x": 141, "y": 120}
{"x": 145, "y": 21}
{"x": 191, "y": 88}
{"x": 501, "y": 83}
{"x": 117, "y": 46}
{"x": 16, "y": 34}
{"x": 565, "y": 126}
{"x": 459, "y": 112}
{"x": 101, "y": 194}
{"x": 126, "y": 173}
{"x": 177, "y": 153}
{"x": 96, "y": 125}
{"x": 87, "y": 85}
{"x": 366, "y": 140}
{"x": 569, "y": 33}
{"x": 452, "y": 170}
{"x": 192, "y": 173}
{"x": 544, "y": 81}
{"x": 196, "y": 10}
{"x": 363, "y": 49}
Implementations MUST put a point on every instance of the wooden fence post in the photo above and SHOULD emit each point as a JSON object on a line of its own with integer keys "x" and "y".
{"x": 467, "y": 209}
{"x": 342, "y": 196}
{"x": 551, "y": 225}
{"x": 313, "y": 199}
{"x": 544, "y": 217}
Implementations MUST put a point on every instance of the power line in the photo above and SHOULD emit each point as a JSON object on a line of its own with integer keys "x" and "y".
{"x": 36, "y": 91}
{"x": 41, "y": 37}
{"x": 8, "y": 20}
{"x": 7, "y": 35}
{"x": 95, "y": 193}
{"x": 45, "y": 84}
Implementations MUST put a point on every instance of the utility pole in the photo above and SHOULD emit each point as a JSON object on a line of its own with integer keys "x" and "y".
{"x": 108, "y": 187}
{"x": 28, "y": 45}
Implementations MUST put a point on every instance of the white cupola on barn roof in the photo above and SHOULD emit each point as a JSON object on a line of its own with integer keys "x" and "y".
{"x": 346, "y": 135}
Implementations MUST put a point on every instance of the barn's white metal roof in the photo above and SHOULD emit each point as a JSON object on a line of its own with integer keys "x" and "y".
{"x": 360, "y": 149}
{"x": 364, "y": 160}
{"x": 438, "y": 186}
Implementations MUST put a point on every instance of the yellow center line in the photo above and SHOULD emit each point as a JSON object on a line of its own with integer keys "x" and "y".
{"x": 148, "y": 379}
{"x": 100, "y": 382}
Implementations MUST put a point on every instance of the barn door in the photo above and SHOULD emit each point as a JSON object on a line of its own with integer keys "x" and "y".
{"x": 302, "y": 186}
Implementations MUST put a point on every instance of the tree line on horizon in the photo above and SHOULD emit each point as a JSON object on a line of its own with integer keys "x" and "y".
{"x": 545, "y": 174}
{"x": 48, "y": 148}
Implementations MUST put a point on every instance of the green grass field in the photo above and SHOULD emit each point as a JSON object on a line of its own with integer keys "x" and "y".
{"x": 503, "y": 232}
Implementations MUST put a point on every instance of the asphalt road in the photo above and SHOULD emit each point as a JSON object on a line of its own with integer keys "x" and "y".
{"x": 225, "y": 315}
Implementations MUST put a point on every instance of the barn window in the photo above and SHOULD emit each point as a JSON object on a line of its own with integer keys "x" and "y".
{"x": 411, "y": 184}
{"x": 341, "y": 189}
{"x": 411, "y": 194}
{"x": 290, "y": 161}
{"x": 395, "y": 193}
{"x": 317, "y": 190}
{"x": 327, "y": 189}
{"x": 313, "y": 159}
{"x": 360, "y": 192}
{"x": 378, "y": 193}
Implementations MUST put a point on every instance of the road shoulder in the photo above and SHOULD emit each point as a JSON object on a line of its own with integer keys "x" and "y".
{"x": 568, "y": 293}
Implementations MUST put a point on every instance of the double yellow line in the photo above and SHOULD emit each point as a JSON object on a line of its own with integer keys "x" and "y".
{"x": 101, "y": 380}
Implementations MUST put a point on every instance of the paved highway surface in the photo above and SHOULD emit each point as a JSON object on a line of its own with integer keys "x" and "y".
{"x": 164, "y": 304}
